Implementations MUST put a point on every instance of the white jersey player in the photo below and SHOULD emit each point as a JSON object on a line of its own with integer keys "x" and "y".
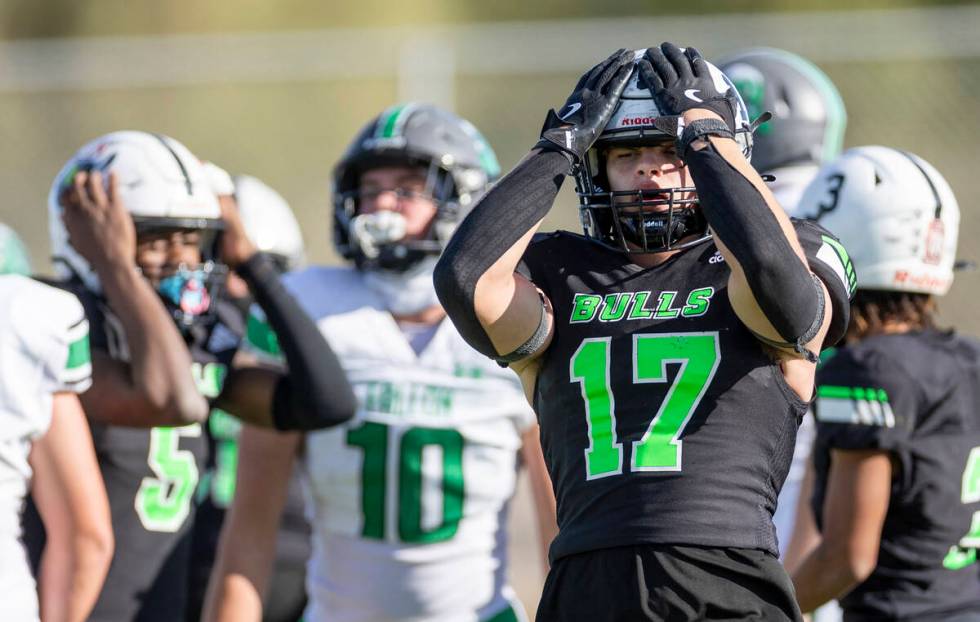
{"x": 46, "y": 449}
{"x": 408, "y": 501}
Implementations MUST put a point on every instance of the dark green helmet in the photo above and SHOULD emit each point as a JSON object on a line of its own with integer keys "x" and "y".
{"x": 460, "y": 166}
{"x": 808, "y": 122}
{"x": 13, "y": 254}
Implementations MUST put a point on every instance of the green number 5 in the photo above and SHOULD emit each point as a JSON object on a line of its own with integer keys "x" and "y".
{"x": 163, "y": 502}
{"x": 964, "y": 553}
{"x": 660, "y": 448}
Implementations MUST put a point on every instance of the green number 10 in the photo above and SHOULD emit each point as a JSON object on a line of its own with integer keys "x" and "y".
{"x": 373, "y": 439}
{"x": 659, "y": 449}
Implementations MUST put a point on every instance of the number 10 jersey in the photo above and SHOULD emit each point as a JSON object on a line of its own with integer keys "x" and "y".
{"x": 408, "y": 500}
{"x": 663, "y": 419}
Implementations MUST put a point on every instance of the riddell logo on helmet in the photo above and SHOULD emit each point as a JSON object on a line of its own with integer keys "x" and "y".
{"x": 924, "y": 281}
{"x": 637, "y": 121}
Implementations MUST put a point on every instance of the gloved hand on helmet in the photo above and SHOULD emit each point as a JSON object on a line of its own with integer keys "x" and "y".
{"x": 578, "y": 124}
{"x": 680, "y": 80}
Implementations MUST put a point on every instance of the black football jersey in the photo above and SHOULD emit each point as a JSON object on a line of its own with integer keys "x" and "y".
{"x": 216, "y": 491}
{"x": 917, "y": 396}
{"x": 663, "y": 419}
{"x": 151, "y": 475}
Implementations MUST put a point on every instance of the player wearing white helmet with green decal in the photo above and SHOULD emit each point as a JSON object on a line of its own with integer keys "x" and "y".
{"x": 133, "y": 223}
{"x": 897, "y": 456}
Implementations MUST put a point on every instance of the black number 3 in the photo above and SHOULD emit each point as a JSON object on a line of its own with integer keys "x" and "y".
{"x": 835, "y": 182}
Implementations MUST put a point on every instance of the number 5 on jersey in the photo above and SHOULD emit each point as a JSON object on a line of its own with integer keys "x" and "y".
{"x": 660, "y": 448}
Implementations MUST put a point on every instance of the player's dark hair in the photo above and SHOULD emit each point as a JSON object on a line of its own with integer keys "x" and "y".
{"x": 872, "y": 309}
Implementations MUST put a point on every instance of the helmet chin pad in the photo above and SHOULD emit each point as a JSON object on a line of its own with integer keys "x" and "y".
{"x": 644, "y": 221}
{"x": 661, "y": 230}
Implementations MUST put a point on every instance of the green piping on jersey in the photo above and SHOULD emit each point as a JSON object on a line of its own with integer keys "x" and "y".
{"x": 507, "y": 615}
{"x": 856, "y": 393}
{"x": 261, "y": 335}
{"x": 79, "y": 353}
{"x": 845, "y": 259}
{"x": 854, "y": 405}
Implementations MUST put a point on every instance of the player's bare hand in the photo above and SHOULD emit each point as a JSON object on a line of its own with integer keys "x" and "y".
{"x": 236, "y": 247}
{"x": 98, "y": 224}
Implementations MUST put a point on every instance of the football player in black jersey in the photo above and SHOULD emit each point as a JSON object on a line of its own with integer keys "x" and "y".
{"x": 133, "y": 222}
{"x": 669, "y": 363}
{"x": 270, "y": 223}
{"x": 897, "y": 456}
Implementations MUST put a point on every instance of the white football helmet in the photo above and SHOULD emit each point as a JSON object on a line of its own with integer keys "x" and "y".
{"x": 894, "y": 213}
{"x": 623, "y": 218}
{"x": 269, "y": 222}
{"x": 162, "y": 184}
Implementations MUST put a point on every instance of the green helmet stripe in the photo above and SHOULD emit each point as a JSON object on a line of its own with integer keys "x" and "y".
{"x": 836, "y": 113}
{"x": 391, "y": 120}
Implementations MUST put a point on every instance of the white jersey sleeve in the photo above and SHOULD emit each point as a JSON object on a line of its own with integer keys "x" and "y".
{"x": 43, "y": 350}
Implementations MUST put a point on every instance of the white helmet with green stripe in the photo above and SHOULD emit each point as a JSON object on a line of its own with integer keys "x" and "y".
{"x": 894, "y": 213}
{"x": 808, "y": 116}
{"x": 13, "y": 256}
{"x": 460, "y": 166}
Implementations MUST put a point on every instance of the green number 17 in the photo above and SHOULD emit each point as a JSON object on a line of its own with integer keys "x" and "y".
{"x": 660, "y": 448}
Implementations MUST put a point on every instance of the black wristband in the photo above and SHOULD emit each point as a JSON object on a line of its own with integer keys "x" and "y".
{"x": 699, "y": 128}
{"x": 316, "y": 394}
{"x": 533, "y": 343}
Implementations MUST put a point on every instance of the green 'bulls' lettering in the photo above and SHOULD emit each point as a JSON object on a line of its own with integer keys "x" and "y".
{"x": 633, "y": 306}
{"x": 639, "y": 310}
{"x": 584, "y": 308}
{"x": 614, "y": 307}
{"x": 697, "y": 302}
{"x": 664, "y": 308}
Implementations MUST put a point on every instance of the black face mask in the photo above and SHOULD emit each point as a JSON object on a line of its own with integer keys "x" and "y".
{"x": 643, "y": 221}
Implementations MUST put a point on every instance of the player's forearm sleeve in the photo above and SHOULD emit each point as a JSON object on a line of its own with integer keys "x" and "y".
{"x": 742, "y": 220}
{"x": 316, "y": 393}
{"x": 506, "y": 212}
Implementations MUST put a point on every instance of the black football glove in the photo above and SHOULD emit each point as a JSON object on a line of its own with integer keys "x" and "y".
{"x": 680, "y": 80}
{"x": 578, "y": 124}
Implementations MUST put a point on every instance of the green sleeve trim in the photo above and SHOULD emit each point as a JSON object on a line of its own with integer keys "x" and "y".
{"x": 261, "y": 335}
{"x": 507, "y": 615}
{"x": 853, "y": 393}
{"x": 79, "y": 353}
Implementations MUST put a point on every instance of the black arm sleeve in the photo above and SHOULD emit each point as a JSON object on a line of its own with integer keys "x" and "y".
{"x": 504, "y": 214}
{"x": 742, "y": 220}
{"x": 316, "y": 393}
